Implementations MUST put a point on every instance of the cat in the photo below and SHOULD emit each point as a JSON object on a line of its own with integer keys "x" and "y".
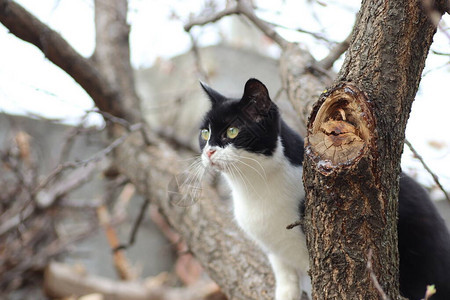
{"x": 261, "y": 157}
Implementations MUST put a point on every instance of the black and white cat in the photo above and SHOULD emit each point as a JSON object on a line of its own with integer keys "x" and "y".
{"x": 261, "y": 159}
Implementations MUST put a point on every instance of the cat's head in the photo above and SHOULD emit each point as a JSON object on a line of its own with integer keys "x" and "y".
{"x": 234, "y": 130}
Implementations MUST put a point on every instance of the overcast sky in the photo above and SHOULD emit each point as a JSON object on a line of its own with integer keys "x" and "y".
{"x": 29, "y": 84}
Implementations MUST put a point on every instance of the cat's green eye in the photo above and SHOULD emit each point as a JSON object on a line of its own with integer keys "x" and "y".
{"x": 205, "y": 134}
{"x": 232, "y": 132}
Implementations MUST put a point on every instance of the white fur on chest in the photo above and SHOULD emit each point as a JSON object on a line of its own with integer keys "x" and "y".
{"x": 266, "y": 195}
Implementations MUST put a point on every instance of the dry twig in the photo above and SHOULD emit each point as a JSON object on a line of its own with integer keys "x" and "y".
{"x": 121, "y": 263}
{"x": 94, "y": 158}
{"x": 242, "y": 7}
{"x": 136, "y": 225}
{"x": 373, "y": 277}
{"x": 435, "y": 177}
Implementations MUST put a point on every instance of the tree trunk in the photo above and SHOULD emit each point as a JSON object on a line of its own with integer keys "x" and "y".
{"x": 353, "y": 148}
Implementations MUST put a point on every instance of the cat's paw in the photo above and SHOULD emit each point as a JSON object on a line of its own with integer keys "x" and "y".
{"x": 287, "y": 292}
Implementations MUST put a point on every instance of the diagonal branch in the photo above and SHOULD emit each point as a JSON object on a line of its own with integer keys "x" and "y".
{"x": 247, "y": 10}
{"x": 433, "y": 175}
{"x": 335, "y": 53}
{"x": 28, "y": 28}
{"x": 233, "y": 10}
{"x": 242, "y": 7}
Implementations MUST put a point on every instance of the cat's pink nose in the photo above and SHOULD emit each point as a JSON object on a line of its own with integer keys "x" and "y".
{"x": 210, "y": 152}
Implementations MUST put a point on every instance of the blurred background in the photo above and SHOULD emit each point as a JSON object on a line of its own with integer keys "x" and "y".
{"x": 46, "y": 118}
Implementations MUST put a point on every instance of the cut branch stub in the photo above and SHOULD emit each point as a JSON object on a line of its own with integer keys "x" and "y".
{"x": 340, "y": 129}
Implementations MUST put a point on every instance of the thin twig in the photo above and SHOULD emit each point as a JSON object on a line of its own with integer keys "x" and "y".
{"x": 198, "y": 60}
{"x": 124, "y": 123}
{"x": 120, "y": 261}
{"x": 97, "y": 156}
{"x": 435, "y": 177}
{"x": 68, "y": 142}
{"x": 373, "y": 277}
{"x": 315, "y": 35}
{"x": 112, "y": 118}
{"x": 136, "y": 226}
{"x": 213, "y": 18}
{"x": 295, "y": 224}
{"x": 245, "y": 8}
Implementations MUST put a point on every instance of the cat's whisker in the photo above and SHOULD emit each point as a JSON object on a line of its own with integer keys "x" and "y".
{"x": 194, "y": 158}
{"x": 256, "y": 161}
{"x": 243, "y": 178}
{"x": 254, "y": 169}
{"x": 234, "y": 171}
{"x": 190, "y": 187}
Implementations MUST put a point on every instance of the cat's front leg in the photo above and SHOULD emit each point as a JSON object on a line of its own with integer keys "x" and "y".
{"x": 286, "y": 279}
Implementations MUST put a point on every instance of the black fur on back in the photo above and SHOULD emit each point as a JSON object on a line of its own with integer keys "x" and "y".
{"x": 423, "y": 244}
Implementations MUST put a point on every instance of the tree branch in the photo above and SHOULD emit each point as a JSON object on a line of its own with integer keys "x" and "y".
{"x": 112, "y": 54}
{"x": 28, "y": 28}
{"x": 62, "y": 281}
{"x": 335, "y": 53}
{"x": 297, "y": 66}
{"x": 433, "y": 175}
{"x": 233, "y": 10}
{"x": 245, "y": 8}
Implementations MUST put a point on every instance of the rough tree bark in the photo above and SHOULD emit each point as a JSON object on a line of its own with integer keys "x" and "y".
{"x": 353, "y": 148}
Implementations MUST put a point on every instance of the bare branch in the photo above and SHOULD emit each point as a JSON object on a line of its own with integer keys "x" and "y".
{"x": 335, "y": 53}
{"x": 435, "y": 177}
{"x": 14, "y": 221}
{"x": 70, "y": 138}
{"x": 94, "y": 158}
{"x": 373, "y": 277}
{"x": 28, "y": 28}
{"x": 121, "y": 263}
{"x": 315, "y": 35}
{"x": 245, "y": 8}
{"x": 112, "y": 54}
{"x": 46, "y": 197}
{"x": 136, "y": 225}
{"x": 233, "y": 10}
{"x": 63, "y": 281}
{"x": 198, "y": 61}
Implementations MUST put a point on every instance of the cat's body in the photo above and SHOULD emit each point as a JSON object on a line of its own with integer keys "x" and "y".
{"x": 255, "y": 213}
{"x": 261, "y": 159}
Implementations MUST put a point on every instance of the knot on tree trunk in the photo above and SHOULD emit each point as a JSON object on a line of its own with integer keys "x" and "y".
{"x": 340, "y": 129}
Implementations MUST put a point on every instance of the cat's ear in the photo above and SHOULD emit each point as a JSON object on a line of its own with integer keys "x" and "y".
{"x": 256, "y": 101}
{"x": 214, "y": 96}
